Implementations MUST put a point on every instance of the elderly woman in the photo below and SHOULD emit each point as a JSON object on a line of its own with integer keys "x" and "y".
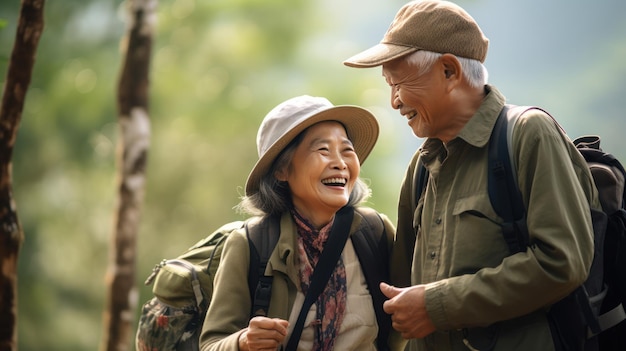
{"x": 310, "y": 155}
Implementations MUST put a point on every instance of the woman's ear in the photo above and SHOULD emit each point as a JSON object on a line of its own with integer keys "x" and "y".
{"x": 281, "y": 174}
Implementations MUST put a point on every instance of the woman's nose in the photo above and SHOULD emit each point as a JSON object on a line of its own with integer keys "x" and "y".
{"x": 339, "y": 162}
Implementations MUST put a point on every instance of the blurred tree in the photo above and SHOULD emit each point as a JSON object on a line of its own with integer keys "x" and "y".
{"x": 133, "y": 146}
{"x": 29, "y": 29}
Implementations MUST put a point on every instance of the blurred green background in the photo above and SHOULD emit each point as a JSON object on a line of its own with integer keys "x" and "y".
{"x": 217, "y": 67}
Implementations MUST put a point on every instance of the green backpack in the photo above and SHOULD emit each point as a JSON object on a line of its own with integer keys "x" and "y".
{"x": 183, "y": 287}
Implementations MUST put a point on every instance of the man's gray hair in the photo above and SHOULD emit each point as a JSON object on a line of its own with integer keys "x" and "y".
{"x": 473, "y": 70}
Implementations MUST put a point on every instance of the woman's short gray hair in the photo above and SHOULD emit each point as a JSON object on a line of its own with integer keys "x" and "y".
{"x": 274, "y": 196}
{"x": 473, "y": 70}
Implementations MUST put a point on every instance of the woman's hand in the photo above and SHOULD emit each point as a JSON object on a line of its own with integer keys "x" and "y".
{"x": 263, "y": 334}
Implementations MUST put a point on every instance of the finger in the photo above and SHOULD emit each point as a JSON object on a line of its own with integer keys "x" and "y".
{"x": 281, "y": 325}
{"x": 389, "y": 290}
{"x": 262, "y": 323}
{"x": 268, "y": 328}
{"x": 388, "y": 307}
{"x": 264, "y": 338}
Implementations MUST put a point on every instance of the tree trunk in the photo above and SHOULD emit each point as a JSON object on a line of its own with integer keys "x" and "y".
{"x": 133, "y": 145}
{"x": 29, "y": 29}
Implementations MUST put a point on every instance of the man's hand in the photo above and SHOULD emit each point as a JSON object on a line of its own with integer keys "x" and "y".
{"x": 263, "y": 334}
{"x": 407, "y": 308}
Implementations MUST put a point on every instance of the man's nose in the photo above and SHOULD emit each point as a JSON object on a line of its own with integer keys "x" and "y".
{"x": 396, "y": 103}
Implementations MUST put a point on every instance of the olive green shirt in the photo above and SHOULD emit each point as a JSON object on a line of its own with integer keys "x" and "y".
{"x": 459, "y": 251}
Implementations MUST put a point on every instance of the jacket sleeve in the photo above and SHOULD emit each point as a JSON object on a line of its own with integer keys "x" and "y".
{"x": 229, "y": 311}
{"x": 557, "y": 188}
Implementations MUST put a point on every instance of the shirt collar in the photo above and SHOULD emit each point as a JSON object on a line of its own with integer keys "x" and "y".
{"x": 478, "y": 129}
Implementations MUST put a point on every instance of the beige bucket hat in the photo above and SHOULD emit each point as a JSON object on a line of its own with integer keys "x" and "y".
{"x": 285, "y": 121}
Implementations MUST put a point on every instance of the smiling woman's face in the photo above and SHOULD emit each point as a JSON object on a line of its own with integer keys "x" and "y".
{"x": 323, "y": 170}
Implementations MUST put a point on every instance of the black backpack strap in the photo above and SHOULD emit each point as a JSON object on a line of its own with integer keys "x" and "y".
{"x": 370, "y": 244}
{"x": 325, "y": 266}
{"x": 262, "y": 235}
{"x": 503, "y": 189}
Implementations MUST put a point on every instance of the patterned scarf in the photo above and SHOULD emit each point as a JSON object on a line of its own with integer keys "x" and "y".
{"x": 331, "y": 304}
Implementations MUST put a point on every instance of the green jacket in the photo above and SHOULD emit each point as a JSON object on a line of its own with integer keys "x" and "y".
{"x": 476, "y": 290}
{"x": 229, "y": 311}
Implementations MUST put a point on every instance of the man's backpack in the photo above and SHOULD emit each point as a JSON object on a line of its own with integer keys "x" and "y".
{"x": 592, "y": 317}
{"x": 183, "y": 287}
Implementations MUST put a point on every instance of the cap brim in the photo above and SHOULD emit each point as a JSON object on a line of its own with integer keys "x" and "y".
{"x": 361, "y": 127}
{"x": 377, "y": 55}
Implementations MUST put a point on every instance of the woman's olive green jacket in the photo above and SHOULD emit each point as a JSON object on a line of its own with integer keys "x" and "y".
{"x": 229, "y": 311}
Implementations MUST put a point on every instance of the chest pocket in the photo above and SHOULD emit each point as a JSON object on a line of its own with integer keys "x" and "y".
{"x": 476, "y": 234}
{"x": 475, "y": 205}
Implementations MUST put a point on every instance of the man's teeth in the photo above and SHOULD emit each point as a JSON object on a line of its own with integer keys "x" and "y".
{"x": 334, "y": 181}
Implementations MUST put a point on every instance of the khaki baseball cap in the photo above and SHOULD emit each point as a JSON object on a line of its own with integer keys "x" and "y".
{"x": 437, "y": 26}
{"x": 290, "y": 118}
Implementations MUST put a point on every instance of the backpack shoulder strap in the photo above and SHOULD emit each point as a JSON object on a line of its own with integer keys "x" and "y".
{"x": 504, "y": 193}
{"x": 263, "y": 234}
{"x": 370, "y": 244}
{"x": 337, "y": 239}
{"x": 503, "y": 188}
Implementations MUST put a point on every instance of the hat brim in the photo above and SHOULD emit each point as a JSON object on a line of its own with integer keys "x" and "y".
{"x": 361, "y": 127}
{"x": 378, "y": 55}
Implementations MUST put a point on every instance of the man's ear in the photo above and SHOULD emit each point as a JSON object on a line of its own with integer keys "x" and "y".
{"x": 452, "y": 66}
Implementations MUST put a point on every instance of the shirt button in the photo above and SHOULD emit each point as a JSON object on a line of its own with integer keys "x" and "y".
{"x": 438, "y": 220}
{"x": 433, "y": 254}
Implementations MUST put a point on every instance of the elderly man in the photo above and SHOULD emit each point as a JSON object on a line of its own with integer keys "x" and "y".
{"x": 456, "y": 284}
